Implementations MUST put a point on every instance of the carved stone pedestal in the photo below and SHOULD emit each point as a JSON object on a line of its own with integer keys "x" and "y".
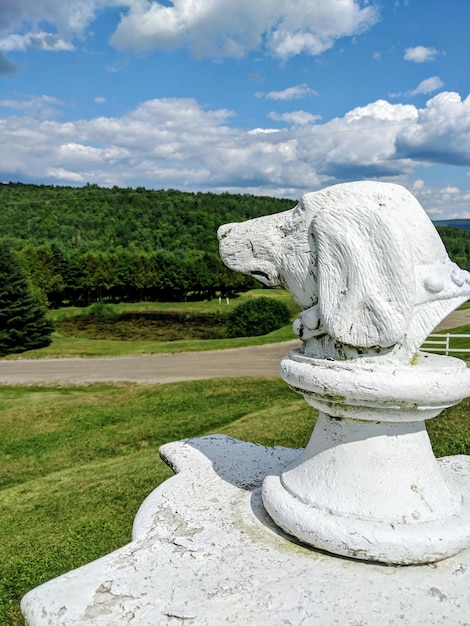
{"x": 372, "y": 278}
{"x": 205, "y": 552}
{"x": 368, "y": 485}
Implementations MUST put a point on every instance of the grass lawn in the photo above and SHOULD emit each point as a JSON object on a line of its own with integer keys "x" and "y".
{"x": 69, "y": 346}
{"x": 77, "y": 462}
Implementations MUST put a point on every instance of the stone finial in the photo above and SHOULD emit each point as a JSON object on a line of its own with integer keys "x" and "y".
{"x": 364, "y": 263}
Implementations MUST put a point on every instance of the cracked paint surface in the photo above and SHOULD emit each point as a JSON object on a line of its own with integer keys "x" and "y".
{"x": 205, "y": 552}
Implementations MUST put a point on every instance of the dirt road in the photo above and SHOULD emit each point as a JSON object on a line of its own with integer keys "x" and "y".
{"x": 153, "y": 368}
{"x": 163, "y": 368}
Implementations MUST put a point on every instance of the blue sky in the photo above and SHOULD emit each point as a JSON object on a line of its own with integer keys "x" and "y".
{"x": 270, "y": 97}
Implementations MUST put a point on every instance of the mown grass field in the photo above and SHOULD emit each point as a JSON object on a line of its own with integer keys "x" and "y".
{"x": 76, "y": 463}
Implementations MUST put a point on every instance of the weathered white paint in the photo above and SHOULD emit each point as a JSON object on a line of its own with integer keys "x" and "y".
{"x": 204, "y": 552}
{"x": 362, "y": 260}
{"x": 372, "y": 277}
{"x": 368, "y": 485}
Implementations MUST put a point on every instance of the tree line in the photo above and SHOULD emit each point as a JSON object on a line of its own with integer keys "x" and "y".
{"x": 80, "y": 278}
{"x": 79, "y": 245}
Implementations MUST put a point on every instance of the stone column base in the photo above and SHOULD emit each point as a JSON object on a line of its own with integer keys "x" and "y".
{"x": 205, "y": 552}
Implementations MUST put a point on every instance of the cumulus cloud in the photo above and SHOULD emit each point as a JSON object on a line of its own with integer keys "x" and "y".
{"x": 260, "y": 131}
{"x": 291, "y": 93}
{"x": 297, "y": 118}
{"x": 209, "y": 28}
{"x": 420, "y": 54}
{"x": 223, "y": 28}
{"x": 361, "y": 144}
{"x": 178, "y": 143}
{"x": 427, "y": 86}
{"x": 23, "y": 22}
{"x": 40, "y": 41}
{"x": 67, "y": 17}
{"x": 441, "y": 133}
{"x": 40, "y": 106}
{"x": 61, "y": 174}
{"x": 446, "y": 202}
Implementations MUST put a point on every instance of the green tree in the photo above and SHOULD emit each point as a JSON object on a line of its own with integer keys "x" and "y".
{"x": 44, "y": 274}
{"x": 23, "y": 324}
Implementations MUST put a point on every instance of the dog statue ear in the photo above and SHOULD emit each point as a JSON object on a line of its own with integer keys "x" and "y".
{"x": 366, "y": 281}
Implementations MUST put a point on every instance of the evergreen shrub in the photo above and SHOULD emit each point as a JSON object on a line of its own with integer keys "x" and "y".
{"x": 257, "y": 317}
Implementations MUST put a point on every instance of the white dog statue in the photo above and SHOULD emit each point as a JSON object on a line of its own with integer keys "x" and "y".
{"x": 364, "y": 263}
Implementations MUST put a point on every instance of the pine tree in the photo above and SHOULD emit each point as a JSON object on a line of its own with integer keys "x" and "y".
{"x": 23, "y": 322}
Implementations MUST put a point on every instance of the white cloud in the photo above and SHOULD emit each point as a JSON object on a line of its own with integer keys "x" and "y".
{"x": 178, "y": 143}
{"x": 209, "y": 28}
{"x": 40, "y": 41}
{"x": 418, "y": 184}
{"x": 23, "y": 23}
{"x": 441, "y": 133}
{"x": 298, "y": 118}
{"x": 260, "y": 131}
{"x": 291, "y": 93}
{"x": 68, "y": 17}
{"x": 427, "y": 86}
{"x": 59, "y": 173}
{"x": 223, "y": 28}
{"x": 447, "y": 202}
{"x": 40, "y": 106}
{"x": 420, "y": 54}
{"x": 434, "y": 212}
{"x": 100, "y": 100}
{"x": 450, "y": 190}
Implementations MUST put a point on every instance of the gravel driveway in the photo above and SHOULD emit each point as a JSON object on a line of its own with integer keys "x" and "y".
{"x": 152, "y": 368}
{"x": 163, "y": 368}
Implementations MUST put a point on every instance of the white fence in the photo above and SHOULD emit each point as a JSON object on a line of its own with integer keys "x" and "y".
{"x": 442, "y": 343}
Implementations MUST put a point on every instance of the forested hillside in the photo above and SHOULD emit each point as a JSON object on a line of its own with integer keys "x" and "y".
{"x": 101, "y": 219}
{"x": 84, "y": 244}
{"x": 80, "y": 245}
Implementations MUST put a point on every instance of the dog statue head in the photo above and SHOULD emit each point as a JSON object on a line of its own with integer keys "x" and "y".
{"x": 364, "y": 263}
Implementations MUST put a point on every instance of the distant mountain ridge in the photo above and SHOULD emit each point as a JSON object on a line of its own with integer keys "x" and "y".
{"x": 462, "y": 224}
